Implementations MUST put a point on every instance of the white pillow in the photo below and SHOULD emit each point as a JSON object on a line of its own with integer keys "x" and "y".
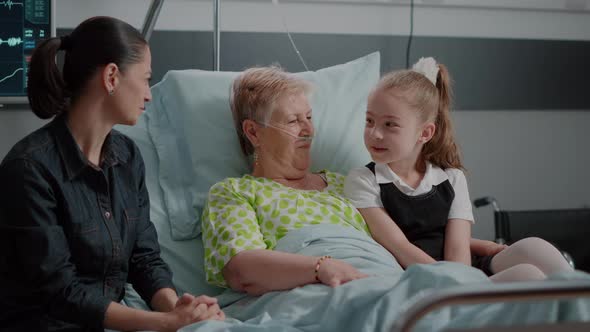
{"x": 191, "y": 125}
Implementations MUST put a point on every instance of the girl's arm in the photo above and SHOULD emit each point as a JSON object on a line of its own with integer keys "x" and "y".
{"x": 259, "y": 271}
{"x": 385, "y": 231}
{"x": 458, "y": 229}
{"x": 457, "y": 241}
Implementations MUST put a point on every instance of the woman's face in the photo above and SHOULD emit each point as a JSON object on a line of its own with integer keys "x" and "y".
{"x": 133, "y": 90}
{"x": 287, "y": 137}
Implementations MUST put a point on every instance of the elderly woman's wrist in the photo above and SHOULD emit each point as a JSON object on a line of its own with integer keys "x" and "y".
{"x": 318, "y": 266}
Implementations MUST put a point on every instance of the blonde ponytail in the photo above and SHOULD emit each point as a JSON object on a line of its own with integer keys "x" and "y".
{"x": 442, "y": 150}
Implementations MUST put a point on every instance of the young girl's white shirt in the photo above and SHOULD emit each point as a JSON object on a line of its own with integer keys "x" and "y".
{"x": 362, "y": 187}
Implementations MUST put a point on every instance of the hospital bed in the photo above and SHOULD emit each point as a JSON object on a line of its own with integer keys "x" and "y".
{"x": 187, "y": 140}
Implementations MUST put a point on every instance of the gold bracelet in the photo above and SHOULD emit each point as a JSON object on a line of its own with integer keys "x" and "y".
{"x": 317, "y": 266}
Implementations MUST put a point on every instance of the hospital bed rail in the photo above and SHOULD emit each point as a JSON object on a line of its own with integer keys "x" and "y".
{"x": 433, "y": 299}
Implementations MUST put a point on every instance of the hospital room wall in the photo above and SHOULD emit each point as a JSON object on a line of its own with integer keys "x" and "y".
{"x": 528, "y": 157}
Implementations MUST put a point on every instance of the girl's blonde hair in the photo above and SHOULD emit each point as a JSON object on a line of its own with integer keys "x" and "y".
{"x": 433, "y": 104}
{"x": 255, "y": 94}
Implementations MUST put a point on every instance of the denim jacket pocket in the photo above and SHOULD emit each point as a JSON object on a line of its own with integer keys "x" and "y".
{"x": 87, "y": 242}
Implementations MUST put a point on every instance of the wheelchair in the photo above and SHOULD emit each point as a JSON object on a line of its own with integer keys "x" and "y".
{"x": 566, "y": 229}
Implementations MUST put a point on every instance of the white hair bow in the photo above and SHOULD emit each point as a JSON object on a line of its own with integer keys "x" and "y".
{"x": 427, "y": 67}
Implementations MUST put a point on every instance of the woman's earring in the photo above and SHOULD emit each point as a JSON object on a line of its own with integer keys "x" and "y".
{"x": 255, "y": 158}
{"x": 111, "y": 92}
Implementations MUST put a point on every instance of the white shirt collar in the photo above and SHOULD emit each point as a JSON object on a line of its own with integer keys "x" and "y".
{"x": 433, "y": 176}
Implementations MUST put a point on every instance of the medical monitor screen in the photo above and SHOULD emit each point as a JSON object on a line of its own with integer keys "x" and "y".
{"x": 23, "y": 25}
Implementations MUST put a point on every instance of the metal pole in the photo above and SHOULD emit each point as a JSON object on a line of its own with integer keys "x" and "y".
{"x": 216, "y": 34}
{"x": 150, "y": 19}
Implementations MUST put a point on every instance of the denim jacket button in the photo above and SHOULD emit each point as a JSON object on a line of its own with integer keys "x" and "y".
{"x": 107, "y": 215}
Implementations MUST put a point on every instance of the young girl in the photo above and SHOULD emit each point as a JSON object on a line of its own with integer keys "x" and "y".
{"x": 414, "y": 195}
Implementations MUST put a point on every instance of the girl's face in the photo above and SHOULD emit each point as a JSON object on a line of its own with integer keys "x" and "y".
{"x": 393, "y": 130}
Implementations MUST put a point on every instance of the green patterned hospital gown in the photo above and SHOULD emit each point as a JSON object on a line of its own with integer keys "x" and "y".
{"x": 254, "y": 213}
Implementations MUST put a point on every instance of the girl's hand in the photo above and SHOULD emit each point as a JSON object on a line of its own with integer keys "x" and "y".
{"x": 487, "y": 248}
{"x": 495, "y": 248}
{"x": 335, "y": 272}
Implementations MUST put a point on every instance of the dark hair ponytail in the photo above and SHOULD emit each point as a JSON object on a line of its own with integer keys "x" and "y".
{"x": 96, "y": 42}
{"x": 46, "y": 87}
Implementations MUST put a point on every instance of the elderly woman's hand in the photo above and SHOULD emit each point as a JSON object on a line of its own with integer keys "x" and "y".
{"x": 335, "y": 272}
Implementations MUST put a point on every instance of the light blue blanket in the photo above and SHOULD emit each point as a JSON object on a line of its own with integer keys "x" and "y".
{"x": 374, "y": 303}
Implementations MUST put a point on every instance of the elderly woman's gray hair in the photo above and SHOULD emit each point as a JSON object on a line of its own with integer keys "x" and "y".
{"x": 255, "y": 94}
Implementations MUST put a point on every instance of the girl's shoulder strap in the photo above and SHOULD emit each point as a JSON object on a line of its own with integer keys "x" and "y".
{"x": 371, "y": 167}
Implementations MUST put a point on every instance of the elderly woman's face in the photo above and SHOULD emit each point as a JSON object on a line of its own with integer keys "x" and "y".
{"x": 287, "y": 138}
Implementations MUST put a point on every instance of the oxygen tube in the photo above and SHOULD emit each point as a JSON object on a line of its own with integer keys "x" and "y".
{"x": 306, "y": 138}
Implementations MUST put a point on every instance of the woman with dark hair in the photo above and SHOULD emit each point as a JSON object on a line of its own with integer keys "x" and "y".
{"x": 74, "y": 208}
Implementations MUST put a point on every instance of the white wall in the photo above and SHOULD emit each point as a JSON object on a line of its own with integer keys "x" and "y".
{"x": 527, "y": 160}
{"x": 547, "y": 19}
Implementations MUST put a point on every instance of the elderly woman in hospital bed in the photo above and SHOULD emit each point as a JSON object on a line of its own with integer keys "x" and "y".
{"x": 277, "y": 236}
{"x": 247, "y": 216}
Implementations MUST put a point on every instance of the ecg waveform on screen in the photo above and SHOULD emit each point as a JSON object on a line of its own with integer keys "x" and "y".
{"x": 9, "y": 4}
{"x": 14, "y": 41}
{"x": 11, "y": 75}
